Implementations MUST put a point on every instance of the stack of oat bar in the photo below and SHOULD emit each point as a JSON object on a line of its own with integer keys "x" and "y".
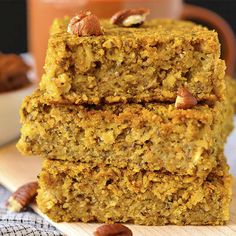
{"x": 131, "y": 120}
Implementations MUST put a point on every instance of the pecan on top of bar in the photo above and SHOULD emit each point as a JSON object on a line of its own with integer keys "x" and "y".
{"x": 185, "y": 100}
{"x": 130, "y": 17}
{"x": 85, "y": 24}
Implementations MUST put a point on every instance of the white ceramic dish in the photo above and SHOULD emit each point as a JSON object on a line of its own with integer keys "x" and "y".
{"x": 10, "y": 103}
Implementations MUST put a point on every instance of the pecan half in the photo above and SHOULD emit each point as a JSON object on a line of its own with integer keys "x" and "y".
{"x": 13, "y": 72}
{"x": 85, "y": 24}
{"x": 113, "y": 230}
{"x": 22, "y": 197}
{"x": 184, "y": 99}
{"x": 130, "y": 17}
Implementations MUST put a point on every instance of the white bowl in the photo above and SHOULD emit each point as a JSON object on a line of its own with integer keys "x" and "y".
{"x": 10, "y": 103}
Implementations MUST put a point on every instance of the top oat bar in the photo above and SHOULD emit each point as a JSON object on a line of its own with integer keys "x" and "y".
{"x": 143, "y": 64}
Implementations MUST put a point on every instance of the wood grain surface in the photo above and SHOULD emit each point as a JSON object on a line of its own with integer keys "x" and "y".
{"x": 16, "y": 170}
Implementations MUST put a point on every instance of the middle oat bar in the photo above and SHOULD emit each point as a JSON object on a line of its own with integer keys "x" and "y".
{"x": 151, "y": 136}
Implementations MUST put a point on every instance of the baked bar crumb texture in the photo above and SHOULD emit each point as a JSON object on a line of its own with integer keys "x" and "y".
{"x": 104, "y": 193}
{"x": 143, "y": 64}
{"x": 150, "y": 136}
{"x": 115, "y": 147}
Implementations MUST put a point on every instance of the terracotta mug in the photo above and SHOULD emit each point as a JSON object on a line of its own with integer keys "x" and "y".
{"x": 42, "y": 12}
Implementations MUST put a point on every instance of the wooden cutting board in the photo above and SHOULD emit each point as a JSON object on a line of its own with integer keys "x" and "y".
{"x": 16, "y": 170}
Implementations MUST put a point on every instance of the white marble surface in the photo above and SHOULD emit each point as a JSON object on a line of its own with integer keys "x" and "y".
{"x": 230, "y": 150}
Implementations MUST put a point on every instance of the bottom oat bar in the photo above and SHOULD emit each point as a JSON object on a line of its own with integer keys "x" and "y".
{"x": 103, "y": 193}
